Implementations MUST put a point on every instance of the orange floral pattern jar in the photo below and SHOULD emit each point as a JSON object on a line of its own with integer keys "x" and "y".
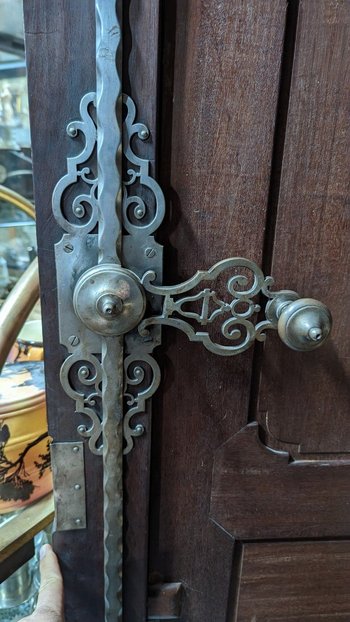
{"x": 25, "y": 472}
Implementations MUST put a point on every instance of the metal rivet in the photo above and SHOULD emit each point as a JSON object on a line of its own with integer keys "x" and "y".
{"x": 139, "y": 429}
{"x": 74, "y": 340}
{"x": 144, "y": 134}
{"x": 150, "y": 252}
{"x": 72, "y": 131}
{"x": 77, "y": 521}
{"x": 75, "y": 449}
{"x": 77, "y": 487}
{"x": 139, "y": 212}
{"x": 68, "y": 248}
{"x": 79, "y": 211}
{"x": 81, "y": 429}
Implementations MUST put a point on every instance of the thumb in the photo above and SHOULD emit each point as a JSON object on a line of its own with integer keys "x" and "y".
{"x": 50, "y": 599}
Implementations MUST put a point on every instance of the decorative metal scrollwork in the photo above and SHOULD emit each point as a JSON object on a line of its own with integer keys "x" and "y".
{"x": 83, "y": 385}
{"x": 143, "y": 372}
{"x": 78, "y": 217}
{"x": 141, "y": 217}
{"x": 237, "y": 312}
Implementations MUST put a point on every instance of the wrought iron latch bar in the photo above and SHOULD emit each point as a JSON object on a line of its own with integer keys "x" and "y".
{"x": 109, "y": 193}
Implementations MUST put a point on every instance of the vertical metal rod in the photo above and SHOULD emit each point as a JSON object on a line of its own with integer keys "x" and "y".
{"x": 109, "y": 154}
{"x": 112, "y": 429}
{"x": 109, "y": 127}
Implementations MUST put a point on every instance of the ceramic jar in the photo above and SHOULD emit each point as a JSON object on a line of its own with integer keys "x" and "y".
{"x": 25, "y": 473}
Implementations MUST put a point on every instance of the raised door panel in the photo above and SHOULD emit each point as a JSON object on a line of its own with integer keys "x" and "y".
{"x": 304, "y": 399}
{"x": 294, "y": 582}
{"x": 287, "y": 475}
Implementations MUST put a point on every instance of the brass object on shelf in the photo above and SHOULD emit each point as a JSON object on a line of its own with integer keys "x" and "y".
{"x": 16, "y": 199}
{"x": 17, "y": 307}
{"x": 25, "y": 293}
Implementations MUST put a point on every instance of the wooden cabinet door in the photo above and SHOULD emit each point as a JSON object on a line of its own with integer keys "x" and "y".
{"x": 239, "y": 488}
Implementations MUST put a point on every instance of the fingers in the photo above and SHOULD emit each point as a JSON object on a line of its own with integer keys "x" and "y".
{"x": 50, "y": 600}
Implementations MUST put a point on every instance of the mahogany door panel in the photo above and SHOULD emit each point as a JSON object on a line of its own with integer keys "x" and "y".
{"x": 141, "y": 47}
{"x": 294, "y": 582}
{"x": 304, "y": 400}
{"x": 219, "y": 93}
{"x": 259, "y": 493}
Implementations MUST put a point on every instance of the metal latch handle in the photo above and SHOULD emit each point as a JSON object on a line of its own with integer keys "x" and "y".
{"x": 111, "y": 301}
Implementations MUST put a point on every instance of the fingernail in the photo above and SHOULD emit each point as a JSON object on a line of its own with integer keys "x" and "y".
{"x": 44, "y": 549}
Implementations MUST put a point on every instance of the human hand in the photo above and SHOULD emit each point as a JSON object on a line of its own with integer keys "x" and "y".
{"x": 50, "y": 600}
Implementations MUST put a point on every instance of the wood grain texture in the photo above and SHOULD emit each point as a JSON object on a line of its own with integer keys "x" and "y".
{"x": 257, "y": 493}
{"x": 304, "y": 398}
{"x": 140, "y": 81}
{"x": 294, "y": 582}
{"x": 219, "y": 76}
{"x": 164, "y": 601}
{"x": 60, "y": 45}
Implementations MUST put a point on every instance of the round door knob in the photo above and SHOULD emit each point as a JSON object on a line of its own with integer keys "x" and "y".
{"x": 109, "y": 300}
{"x": 303, "y": 324}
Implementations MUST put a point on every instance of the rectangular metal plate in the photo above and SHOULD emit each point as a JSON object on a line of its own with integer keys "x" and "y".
{"x": 69, "y": 485}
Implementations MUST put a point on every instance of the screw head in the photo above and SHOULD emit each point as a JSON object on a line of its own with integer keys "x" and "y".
{"x": 74, "y": 340}
{"x": 68, "y": 248}
{"x": 81, "y": 428}
{"x": 78, "y": 521}
{"x": 150, "y": 252}
{"x": 139, "y": 212}
{"x": 75, "y": 449}
{"x": 77, "y": 487}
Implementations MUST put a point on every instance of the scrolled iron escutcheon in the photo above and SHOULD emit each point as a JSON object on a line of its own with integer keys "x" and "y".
{"x": 111, "y": 300}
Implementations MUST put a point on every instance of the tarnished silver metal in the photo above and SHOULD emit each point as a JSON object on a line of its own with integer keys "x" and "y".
{"x": 140, "y": 217}
{"x": 236, "y": 312}
{"x": 303, "y": 324}
{"x": 79, "y": 215}
{"x": 78, "y": 252}
{"x": 67, "y": 460}
{"x": 143, "y": 212}
{"x": 81, "y": 377}
{"x": 109, "y": 299}
{"x": 109, "y": 167}
{"x": 142, "y": 372}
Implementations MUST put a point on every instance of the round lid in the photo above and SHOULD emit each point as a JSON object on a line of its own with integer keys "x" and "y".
{"x": 21, "y": 384}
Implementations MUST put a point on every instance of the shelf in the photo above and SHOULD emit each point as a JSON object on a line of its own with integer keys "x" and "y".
{"x": 17, "y": 534}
